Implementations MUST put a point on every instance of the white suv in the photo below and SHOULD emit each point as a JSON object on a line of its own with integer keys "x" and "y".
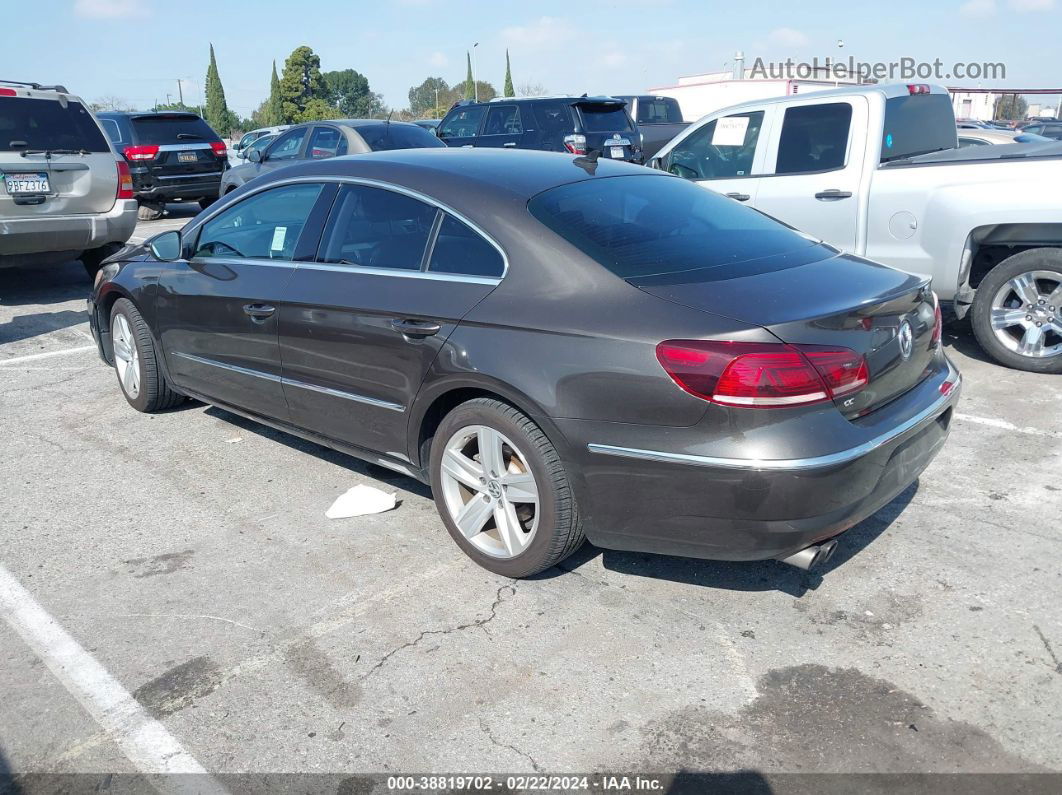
{"x": 64, "y": 193}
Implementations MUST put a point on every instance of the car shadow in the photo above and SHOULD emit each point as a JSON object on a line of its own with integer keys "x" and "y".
{"x": 51, "y": 285}
{"x": 958, "y": 336}
{"x": 23, "y": 327}
{"x": 348, "y": 462}
{"x": 764, "y": 575}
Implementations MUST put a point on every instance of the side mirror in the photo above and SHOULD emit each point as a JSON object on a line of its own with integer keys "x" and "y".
{"x": 241, "y": 154}
{"x": 255, "y": 156}
{"x": 167, "y": 246}
{"x": 656, "y": 163}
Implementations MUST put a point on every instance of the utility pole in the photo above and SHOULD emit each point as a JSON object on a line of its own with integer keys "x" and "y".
{"x": 180, "y": 91}
{"x": 475, "y": 74}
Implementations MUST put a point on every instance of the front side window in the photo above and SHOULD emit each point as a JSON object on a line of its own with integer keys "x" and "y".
{"x": 266, "y": 225}
{"x": 287, "y": 146}
{"x": 814, "y": 138}
{"x": 377, "y": 228}
{"x": 327, "y": 142}
{"x": 462, "y": 123}
{"x": 503, "y": 120}
{"x": 722, "y": 149}
{"x": 460, "y": 249}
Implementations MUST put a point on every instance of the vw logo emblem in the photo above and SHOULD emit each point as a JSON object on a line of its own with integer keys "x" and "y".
{"x": 494, "y": 489}
{"x": 906, "y": 335}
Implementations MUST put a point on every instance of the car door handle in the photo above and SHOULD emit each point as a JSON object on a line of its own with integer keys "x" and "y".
{"x": 510, "y": 143}
{"x": 833, "y": 193}
{"x": 415, "y": 328}
{"x": 259, "y": 311}
{"x": 740, "y": 197}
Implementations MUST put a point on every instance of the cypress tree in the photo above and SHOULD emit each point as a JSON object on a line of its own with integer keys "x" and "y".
{"x": 273, "y": 114}
{"x": 216, "y": 111}
{"x": 507, "y": 89}
{"x": 470, "y": 86}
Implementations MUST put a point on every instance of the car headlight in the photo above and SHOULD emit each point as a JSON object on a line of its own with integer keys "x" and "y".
{"x": 107, "y": 272}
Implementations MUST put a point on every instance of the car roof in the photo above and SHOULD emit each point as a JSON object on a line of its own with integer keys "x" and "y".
{"x": 886, "y": 90}
{"x": 353, "y": 123}
{"x": 551, "y": 98}
{"x": 148, "y": 114}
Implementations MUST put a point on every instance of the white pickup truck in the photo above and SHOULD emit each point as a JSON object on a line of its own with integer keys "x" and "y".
{"x": 874, "y": 171}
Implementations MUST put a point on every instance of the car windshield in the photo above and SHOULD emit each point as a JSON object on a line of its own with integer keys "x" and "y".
{"x": 171, "y": 128}
{"x": 604, "y": 117}
{"x": 381, "y": 137}
{"x": 916, "y": 125}
{"x": 638, "y": 226}
{"x": 27, "y": 123}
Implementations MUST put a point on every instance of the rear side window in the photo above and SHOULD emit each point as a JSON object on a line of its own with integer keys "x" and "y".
{"x": 266, "y": 225}
{"x": 460, "y": 249}
{"x": 814, "y": 138}
{"x": 916, "y": 125}
{"x": 327, "y": 142}
{"x": 503, "y": 120}
{"x": 171, "y": 128}
{"x": 553, "y": 118}
{"x": 377, "y": 228}
{"x": 384, "y": 137}
{"x": 45, "y": 124}
{"x": 604, "y": 117}
{"x": 641, "y": 226}
{"x": 114, "y": 132}
{"x": 659, "y": 110}
{"x": 462, "y": 123}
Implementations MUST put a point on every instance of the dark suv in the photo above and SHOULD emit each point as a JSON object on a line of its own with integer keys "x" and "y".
{"x": 553, "y": 124}
{"x": 173, "y": 156}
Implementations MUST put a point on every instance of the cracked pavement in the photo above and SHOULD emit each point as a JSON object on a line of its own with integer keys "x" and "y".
{"x": 189, "y": 554}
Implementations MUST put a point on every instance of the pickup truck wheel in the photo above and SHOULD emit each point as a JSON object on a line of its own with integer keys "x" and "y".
{"x": 134, "y": 355}
{"x": 1017, "y": 311}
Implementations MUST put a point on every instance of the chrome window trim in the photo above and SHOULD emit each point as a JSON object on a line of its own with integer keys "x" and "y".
{"x": 181, "y": 147}
{"x": 200, "y": 175}
{"x": 923, "y": 417}
{"x": 383, "y": 404}
{"x": 375, "y": 183}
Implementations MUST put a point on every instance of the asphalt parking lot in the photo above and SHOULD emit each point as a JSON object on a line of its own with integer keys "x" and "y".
{"x": 189, "y": 556}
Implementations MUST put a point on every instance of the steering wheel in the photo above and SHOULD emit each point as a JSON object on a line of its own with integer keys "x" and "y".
{"x": 215, "y": 244}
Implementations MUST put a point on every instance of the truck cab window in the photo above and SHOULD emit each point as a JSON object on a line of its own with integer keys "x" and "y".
{"x": 814, "y": 138}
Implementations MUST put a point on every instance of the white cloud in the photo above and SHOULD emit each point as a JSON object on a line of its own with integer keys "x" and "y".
{"x": 544, "y": 33}
{"x": 1032, "y": 5}
{"x": 978, "y": 8}
{"x": 788, "y": 37}
{"x": 438, "y": 59}
{"x": 110, "y": 9}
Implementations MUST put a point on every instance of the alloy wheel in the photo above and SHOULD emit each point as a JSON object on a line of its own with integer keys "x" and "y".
{"x": 1027, "y": 314}
{"x": 126, "y": 357}
{"x": 489, "y": 491}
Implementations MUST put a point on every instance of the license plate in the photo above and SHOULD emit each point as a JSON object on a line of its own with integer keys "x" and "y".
{"x": 27, "y": 183}
{"x": 617, "y": 152}
{"x": 187, "y": 157}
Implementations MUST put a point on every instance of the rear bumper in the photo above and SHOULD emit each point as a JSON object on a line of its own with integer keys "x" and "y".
{"x": 23, "y": 240}
{"x": 682, "y": 503}
{"x": 160, "y": 189}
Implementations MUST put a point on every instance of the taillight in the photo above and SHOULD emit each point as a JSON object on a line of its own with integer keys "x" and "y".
{"x": 8, "y": 92}
{"x": 141, "y": 152}
{"x": 917, "y": 88}
{"x": 218, "y": 147}
{"x": 125, "y": 181}
{"x": 576, "y": 144}
{"x": 762, "y": 375}
{"x": 938, "y": 323}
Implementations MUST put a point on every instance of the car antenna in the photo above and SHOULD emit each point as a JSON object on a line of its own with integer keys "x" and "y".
{"x": 388, "y": 119}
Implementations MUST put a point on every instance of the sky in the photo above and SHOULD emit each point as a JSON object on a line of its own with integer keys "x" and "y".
{"x": 138, "y": 50}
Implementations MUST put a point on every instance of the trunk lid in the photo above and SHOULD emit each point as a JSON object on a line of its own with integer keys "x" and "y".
{"x": 184, "y": 141}
{"x": 608, "y": 128}
{"x": 841, "y": 301}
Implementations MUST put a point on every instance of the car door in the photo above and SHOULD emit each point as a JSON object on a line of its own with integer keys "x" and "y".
{"x": 361, "y": 325}
{"x": 815, "y": 163}
{"x": 218, "y": 310}
{"x": 502, "y": 127}
{"x": 285, "y": 150}
{"x": 725, "y": 155}
{"x": 461, "y": 125}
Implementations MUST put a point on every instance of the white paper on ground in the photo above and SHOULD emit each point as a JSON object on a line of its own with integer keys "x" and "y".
{"x": 361, "y": 500}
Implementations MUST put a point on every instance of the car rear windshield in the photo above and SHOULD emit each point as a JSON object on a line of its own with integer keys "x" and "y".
{"x": 604, "y": 117}
{"x": 638, "y": 226}
{"x": 27, "y": 123}
{"x": 381, "y": 137}
{"x": 916, "y": 125}
{"x": 171, "y": 129}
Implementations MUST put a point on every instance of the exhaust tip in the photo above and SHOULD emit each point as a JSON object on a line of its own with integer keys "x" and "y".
{"x": 813, "y": 557}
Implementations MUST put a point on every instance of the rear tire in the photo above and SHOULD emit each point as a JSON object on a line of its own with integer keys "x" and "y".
{"x": 148, "y": 211}
{"x": 135, "y": 361}
{"x": 1020, "y": 292}
{"x": 526, "y": 490}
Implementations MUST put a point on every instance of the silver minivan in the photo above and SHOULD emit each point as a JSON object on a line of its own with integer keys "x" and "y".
{"x": 64, "y": 193}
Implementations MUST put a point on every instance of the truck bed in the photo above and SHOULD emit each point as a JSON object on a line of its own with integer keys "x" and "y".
{"x": 975, "y": 154}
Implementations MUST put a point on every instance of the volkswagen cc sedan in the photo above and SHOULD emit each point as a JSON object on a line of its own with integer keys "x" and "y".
{"x": 562, "y": 348}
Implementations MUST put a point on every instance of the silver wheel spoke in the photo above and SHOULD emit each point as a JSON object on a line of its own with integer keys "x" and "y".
{"x": 509, "y": 529}
{"x": 1032, "y": 343}
{"x": 121, "y": 349}
{"x": 1005, "y": 318}
{"x": 1055, "y": 298}
{"x": 463, "y": 468}
{"x": 473, "y": 515}
{"x": 1024, "y": 287}
{"x": 127, "y": 379}
{"x": 490, "y": 451}
{"x": 520, "y": 487}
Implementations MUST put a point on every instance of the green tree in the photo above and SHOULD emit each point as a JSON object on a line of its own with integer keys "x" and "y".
{"x": 470, "y": 89}
{"x": 271, "y": 113}
{"x": 318, "y": 109}
{"x": 507, "y": 89}
{"x": 300, "y": 83}
{"x": 217, "y": 111}
{"x": 426, "y": 97}
{"x": 1011, "y": 107}
{"x": 348, "y": 91}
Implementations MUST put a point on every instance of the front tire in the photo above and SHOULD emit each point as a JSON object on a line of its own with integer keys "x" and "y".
{"x": 502, "y": 491}
{"x": 135, "y": 361}
{"x": 1017, "y": 311}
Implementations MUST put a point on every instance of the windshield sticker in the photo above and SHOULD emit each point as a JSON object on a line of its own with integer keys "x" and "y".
{"x": 888, "y": 141}
{"x": 730, "y": 131}
{"x": 279, "y": 234}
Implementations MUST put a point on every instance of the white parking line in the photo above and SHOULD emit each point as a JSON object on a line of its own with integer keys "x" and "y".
{"x": 1006, "y": 426}
{"x": 144, "y": 740}
{"x": 47, "y": 355}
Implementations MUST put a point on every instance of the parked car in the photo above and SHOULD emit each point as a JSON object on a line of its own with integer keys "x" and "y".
{"x": 1052, "y": 130}
{"x": 562, "y": 347}
{"x": 576, "y": 125}
{"x": 261, "y": 144}
{"x": 248, "y": 138}
{"x": 987, "y": 137}
{"x": 875, "y": 170}
{"x": 659, "y": 119}
{"x": 65, "y": 195}
{"x": 173, "y": 156}
{"x": 324, "y": 139}
{"x": 428, "y": 124}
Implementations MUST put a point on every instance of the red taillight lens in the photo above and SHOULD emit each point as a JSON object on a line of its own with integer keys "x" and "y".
{"x": 762, "y": 375}
{"x": 918, "y": 88}
{"x": 576, "y": 144}
{"x": 141, "y": 152}
{"x": 8, "y": 92}
{"x": 218, "y": 147}
{"x": 938, "y": 323}
{"x": 125, "y": 181}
